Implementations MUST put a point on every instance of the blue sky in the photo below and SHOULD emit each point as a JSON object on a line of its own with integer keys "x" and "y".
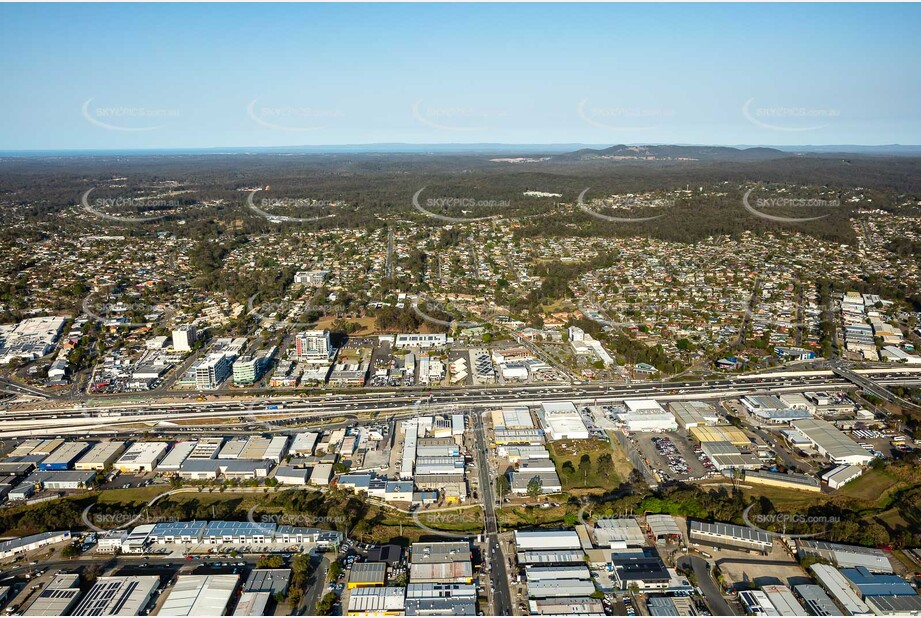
{"x": 81, "y": 76}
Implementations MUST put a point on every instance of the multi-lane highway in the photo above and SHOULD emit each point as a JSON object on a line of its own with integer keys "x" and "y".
{"x": 386, "y": 403}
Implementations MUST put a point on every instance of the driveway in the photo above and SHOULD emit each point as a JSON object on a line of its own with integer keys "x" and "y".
{"x": 712, "y": 594}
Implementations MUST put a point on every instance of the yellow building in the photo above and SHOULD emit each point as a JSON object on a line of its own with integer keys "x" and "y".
{"x": 721, "y": 433}
{"x": 367, "y": 574}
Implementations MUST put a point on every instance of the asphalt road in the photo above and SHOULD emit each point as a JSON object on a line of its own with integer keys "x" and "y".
{"x": 502, "y": 596}
{"x": 316, "y": 585}
{"x": 712, "y": 595}
{"x": 383, "y": 399}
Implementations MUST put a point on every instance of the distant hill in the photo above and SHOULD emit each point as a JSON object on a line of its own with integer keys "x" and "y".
{"x": 673, "y": 153}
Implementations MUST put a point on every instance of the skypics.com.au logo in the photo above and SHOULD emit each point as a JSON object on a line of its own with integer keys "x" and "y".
{"x": 115, "y": 520}
{"x": 464, "y": 204}
{"x": 133, "y": 119}
{"x": 101, "y": 207}
{"x": 269, "y": 521}
{"x": 288, "y": 203}
{"x": 436, "y": 523}
{"x": 454, "y": 118}
{"x": 788, "y": 525}
{"x": 440, "y": 314}
{"x": 788, "y": 119}
{"x": 787, "y": 203}
{"x": 280, "y": 313}
{"x": 118, "y": 313}
{"x": 619, "y": 118}
{"x": 291, "y": 118}
{"x": 594, "y": 212}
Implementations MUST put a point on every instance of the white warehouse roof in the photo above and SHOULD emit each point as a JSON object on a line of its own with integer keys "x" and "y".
{"x": 831, "y": 442}
{"x": 200, "y": 595}
{"x": 546, "y": 539}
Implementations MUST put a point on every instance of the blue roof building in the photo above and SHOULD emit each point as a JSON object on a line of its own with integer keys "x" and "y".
{"x": 871, "y": 584}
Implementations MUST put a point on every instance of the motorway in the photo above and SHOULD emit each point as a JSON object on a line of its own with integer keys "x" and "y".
{"x": 384, "y": 404}
{"x": 501, "y": 595}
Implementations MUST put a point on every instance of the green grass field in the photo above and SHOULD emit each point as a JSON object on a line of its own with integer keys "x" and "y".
{"x": 579, "y": 482}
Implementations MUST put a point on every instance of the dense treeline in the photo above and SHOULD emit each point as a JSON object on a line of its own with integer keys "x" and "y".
{"x": 838, "y": 519}
{"x": 360, "y": 189}
{"x": 628, "y": 350}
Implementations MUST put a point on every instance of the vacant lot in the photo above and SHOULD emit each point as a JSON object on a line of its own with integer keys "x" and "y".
{"x": 746, "y": 570}
{"x": 583, "y": 467}
{"x": 875, "y": 487}
{"x": 512, "y": 517}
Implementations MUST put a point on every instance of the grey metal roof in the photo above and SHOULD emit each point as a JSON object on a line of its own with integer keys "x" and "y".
{"x": 741, "y": 533}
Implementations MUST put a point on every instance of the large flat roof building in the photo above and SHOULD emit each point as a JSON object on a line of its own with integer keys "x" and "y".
{"x": 690, "y": 414}
{"x": 895, "y": 606}
{"x": 142, "y": 457}
{"x": 304, "y": 443}
{"x": 200, "y": 595}
{"x": 646, "y": 415}
{"x": 389, "y": 601}
{"x": 23, "y": 544}
{"x": 832, "y": 443}
{"x": 612, "y": 532}
{"x": 518, "y": 417}
{"x": 663, "y": 527}
{"x": 771, "y": 409}
{"x": 561, "y": 606}
{"x": 65, "y": 457}
{"x": 530, "y": 540}
{"x": 783, "y": 600}
{"x": 367, "y": 574}
{"x": 561, "y": 421}
{"x": 443, "y": 562}
{"x": 176, "y": 456}
{"x": 721, "y": 433}
{"x": 846, "y": 556}
{"x": 730, "y": 535}
{"x": 101, "y": 456}
{"x": 444, "y": 551}
{"x": 543, "y": 589}
{"x": 57, "y": 598}
{"x": 877, "y": 584}
{"x": 252, "y": 604}
{"x": 645, "y": 571}
{"x": 837, "y": 586}
{"x": 118, "y": 596}
{"x": 552, "y": 556}
{"x": 273, "y": 581}
{"x": 816, "y": 601}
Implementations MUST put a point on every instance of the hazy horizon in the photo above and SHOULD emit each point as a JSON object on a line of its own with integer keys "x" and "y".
{"x": 166, "y": 76}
